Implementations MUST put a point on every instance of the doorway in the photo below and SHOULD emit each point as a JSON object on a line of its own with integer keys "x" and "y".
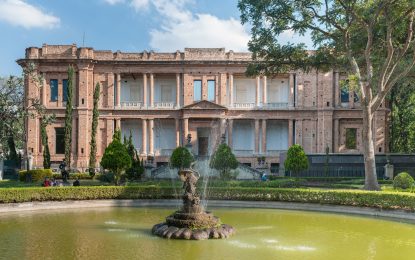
{"x": 203, "y": 141}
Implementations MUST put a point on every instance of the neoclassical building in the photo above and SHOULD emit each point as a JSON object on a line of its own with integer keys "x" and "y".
{"x": 160, "y": 98}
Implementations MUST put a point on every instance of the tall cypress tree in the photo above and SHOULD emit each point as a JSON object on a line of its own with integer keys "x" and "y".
{"x": 45, "y": 144}
{"x": 95, "y": 115}
{"x": 68, "y": 117}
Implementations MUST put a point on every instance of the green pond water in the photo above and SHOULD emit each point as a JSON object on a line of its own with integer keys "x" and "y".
{"x": 124, "y": 233}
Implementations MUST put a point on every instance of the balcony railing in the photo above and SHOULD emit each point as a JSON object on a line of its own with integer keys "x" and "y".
{"x": 275, "y": 152}
{"x": 168, "y": 105}
{"x": 276, "y": 105}
{"x": 244, "y": 105}
{"x": 164, "y": 152}
{"x": 131, "y": 104}
{"x": 240, "y": 152}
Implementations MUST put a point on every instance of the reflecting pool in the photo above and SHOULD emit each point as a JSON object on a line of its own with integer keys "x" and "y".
{"x": 125, "y": 233}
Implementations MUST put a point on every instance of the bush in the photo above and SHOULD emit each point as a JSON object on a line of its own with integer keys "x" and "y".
{"x": 360, "y": 198}
{"x": 36, "y": 175}
{"x": 73, "y": 176}
{"x": 224, "y": 161}
{"x": 116, "y": 157}
{"x": 181, "y": 158}
{"x": 296, "y": 159}
{"x": 403, "y": 181}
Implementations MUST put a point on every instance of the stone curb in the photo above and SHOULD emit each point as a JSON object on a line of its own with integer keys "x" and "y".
{"x": 56, "y": 205}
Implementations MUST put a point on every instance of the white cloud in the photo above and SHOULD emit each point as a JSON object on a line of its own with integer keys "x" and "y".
{"x": 180, "y": 28}
{"x": 20, "y": 13}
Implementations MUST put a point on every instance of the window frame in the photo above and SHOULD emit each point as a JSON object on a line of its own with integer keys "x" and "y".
{"x": 211, "y": 98}
{"x": 54, "y": 88}
{"x": 194, "y": 90}
{"x": 59, "y": 143}
{"x": 351, "y": 144}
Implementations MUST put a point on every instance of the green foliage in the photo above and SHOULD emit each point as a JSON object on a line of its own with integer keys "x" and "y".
{"x": 68, "y": 117}
{"x": 116, "y": 157}
{"x": 402, "y": 127}
{"x": 137, "y": 167}
{"x": 37, "y": 175}
{"x": 296, "y": 159}
{"x": 95, "y": 116}
{"x": 358, "y": 198}
{"x": 45, "y": 144}
{"x": 181, "y": 158}
{"x": 73, "y": 176}
{"x": 12, "y": 149}
{"x": 403, "y": 181}
{"x": 224, "y": 161}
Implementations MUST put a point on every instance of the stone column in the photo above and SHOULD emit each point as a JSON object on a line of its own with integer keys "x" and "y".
{"x": 290, "y": 132}
{"x": 151, "y": 136}
{"x": 118, "y": 124}
{"x": 230, "y": 133}
{"x": 256, "y": 136}
{"x": 222, "y": 127}
{"x": 257, "y": 92}
{"x": 145, "y": 102}
{"x": 151, "y": 90}
{"x": 144, "y": 137}
{"x": 264, "y": 91}
{"x": 178, "y": 90}
{"x": 231, "y": 90}
{"x": 291, "y": 97}
{"x": 177, "y": 122}
{"x": 336, "y": 89}
{"x": 336, "y": 136}
{"x": 264, "y": 136}
{"x": 118, "y": 101}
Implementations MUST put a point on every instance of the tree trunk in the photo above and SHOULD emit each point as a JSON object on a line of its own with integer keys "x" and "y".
{"x": 371, "y": 181}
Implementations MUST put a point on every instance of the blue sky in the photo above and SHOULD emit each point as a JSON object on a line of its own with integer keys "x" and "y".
{"x": 126, "y": 25}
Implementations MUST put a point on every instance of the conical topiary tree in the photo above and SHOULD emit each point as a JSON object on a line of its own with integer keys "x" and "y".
{"x": 116, "y": 157}
{"x": 296, "y": 159}
{"x": 68, "y": 117}
{"x": 45, "y": 144}
{"x": 95, "y": 116}
{"x": 181, "y": 158}
{"x": 224, "y": 161}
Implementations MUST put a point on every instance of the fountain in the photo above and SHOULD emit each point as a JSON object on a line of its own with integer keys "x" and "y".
{"x": 192, "y": 221}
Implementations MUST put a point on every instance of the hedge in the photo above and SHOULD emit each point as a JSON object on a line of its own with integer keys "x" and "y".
{"x": 382, "y": 200}
{"x": 36, "y": 175}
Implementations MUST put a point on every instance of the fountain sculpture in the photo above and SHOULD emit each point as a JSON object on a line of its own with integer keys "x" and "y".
{"x": 192, "y": 221}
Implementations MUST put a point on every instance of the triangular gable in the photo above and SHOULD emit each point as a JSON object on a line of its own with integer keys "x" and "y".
{"x": 204, "y": 104}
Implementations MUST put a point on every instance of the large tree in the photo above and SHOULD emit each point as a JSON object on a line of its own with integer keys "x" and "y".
{"x": 372, "y": 41}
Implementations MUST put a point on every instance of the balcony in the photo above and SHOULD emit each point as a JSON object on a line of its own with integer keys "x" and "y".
{"x": 277, "y": 105}
{"x": 239, "y": 152}
{"x": 131, "y": 104}
{"x": 244, "y": 105}
{"x": 164, "y": 105}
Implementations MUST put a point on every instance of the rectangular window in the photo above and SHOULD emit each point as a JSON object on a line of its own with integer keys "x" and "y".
{"x": 344, "y": 96}
{"x": 65, "y": 90}
{"x": 60, "y": 140}
{"x": 53, "y": 90}
{"x": 166, "y": 93}
{"x": 211, "y": 90}
{"x": 351, "y": 136}
{"x": 197, "y": 90}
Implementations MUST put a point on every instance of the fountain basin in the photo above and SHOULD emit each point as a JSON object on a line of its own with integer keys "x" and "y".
{"x": 124, "y": 233}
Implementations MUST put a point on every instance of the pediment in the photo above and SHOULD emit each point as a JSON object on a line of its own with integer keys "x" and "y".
{"x": 204, "y": 104}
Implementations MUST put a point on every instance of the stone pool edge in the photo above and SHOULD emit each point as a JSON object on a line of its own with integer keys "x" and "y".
{"x": 75, "y": 204}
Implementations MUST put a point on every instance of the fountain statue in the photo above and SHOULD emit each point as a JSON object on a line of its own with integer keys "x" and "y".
{"x": 192, "y": 221}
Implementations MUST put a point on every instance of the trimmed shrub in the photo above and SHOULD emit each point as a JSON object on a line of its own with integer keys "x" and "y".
{"x": 403, "y": 181}
{"x": 224, "y": 161}
{"x": 73, "y": 176}
{"x": 36, "y": 175}
{"x": 360, "y": 198}
{"x": 181, "y": 158}
{"x": 296, "y": 159}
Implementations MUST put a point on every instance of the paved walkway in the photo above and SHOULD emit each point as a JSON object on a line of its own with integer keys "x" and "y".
{"x": 56, "y": 205}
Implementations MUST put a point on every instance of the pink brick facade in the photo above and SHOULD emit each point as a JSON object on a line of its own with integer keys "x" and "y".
{"x": 312, "y": 113}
